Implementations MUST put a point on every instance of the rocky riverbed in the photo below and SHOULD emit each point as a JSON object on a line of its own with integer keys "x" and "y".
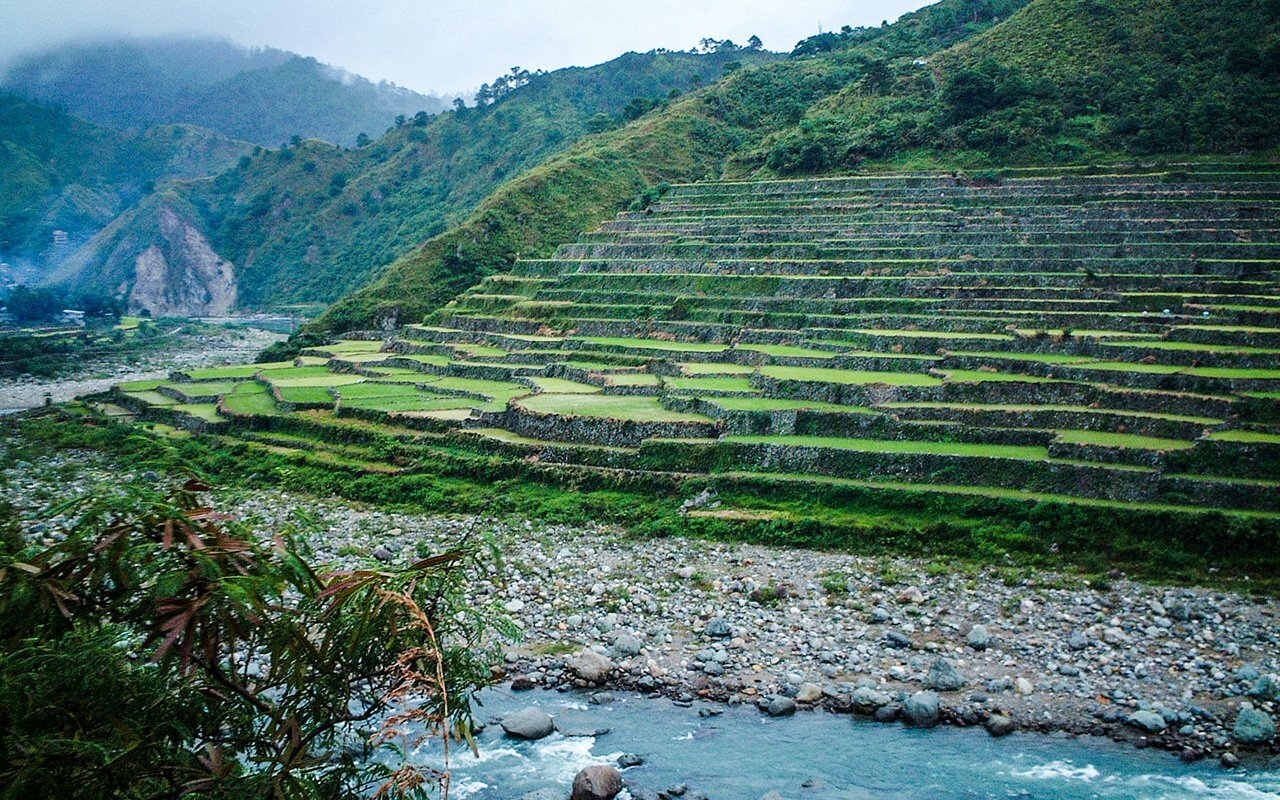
{"x": 215, "y": 348}
{"x": 1195, "y": 671}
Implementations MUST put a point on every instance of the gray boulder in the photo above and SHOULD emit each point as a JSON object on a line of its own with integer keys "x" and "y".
{"x": 591, "y": 666}
{"x": 600, "y": 782}
{"x": 979, "y": 638}
{"x": 1253, "y": 727}
{"x": 1149, "y": 721}
{"x": 944, "y": 677}
{"x": 808, "y": 693}
{"x": 528, "y": 723}
{"x": 718, "y": 628}
{"x": 780, "y": 707}
{"x": 923, "y": 709}
{"x": 626, "y": 646}
{"x": 867, "y": 700}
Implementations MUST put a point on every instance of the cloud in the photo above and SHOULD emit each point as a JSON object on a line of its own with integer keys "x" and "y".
{"x": 443, "y": 44}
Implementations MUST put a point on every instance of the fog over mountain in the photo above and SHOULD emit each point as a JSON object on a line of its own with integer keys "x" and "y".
{"x": 443, "y": 45}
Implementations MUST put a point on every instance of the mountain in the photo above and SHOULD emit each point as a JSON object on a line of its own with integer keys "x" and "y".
{"x": 265, "y": 96}
{"x": 960, "y": 84}
{"x": 64, "y": 174}
{"x": 311, "y": 221}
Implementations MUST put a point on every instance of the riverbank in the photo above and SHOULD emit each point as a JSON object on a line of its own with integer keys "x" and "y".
{"x": 212, "y": 347}
{"x": 701, "y": 621}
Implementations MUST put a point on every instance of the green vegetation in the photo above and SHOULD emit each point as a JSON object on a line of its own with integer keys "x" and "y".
{"x": 636, "y": 409}
{"x": 1104, "y": 439}
{"x": 823, "y": 375}
{"x": 905, "y": 447}
{"x": 154, "y": 652}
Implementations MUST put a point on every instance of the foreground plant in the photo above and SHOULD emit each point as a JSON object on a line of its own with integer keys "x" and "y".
{"x": 158, "y": 651}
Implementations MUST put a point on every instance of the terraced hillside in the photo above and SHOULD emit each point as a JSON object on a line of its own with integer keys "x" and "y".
{"x": 1101, "y": 337}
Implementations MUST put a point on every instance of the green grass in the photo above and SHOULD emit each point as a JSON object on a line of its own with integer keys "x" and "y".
{"x": 909, "y": 334}
{"x": 419, "y": 401}
{"x": 1049, "y": 407}
{"x": 153, "y": 398}
{"x": 205, "y": 411}
{"x": 720, "y": 384}
{"x": 696, "y": 368}
{"x": 632, "y": 379}
{"x": 655, "y": 344}
{"x": 239, "y": 371}
{"x": 1122, "y": 440}
{"x": 370, "y": 389}
{"x": 203, "y": 388}
{"x": 982, "y": 376}
{"x": 846, "y": 376}
{"x": 628, "y": 408}
{"x": 895, "y": 446}
{"x": 1249, "y": 437}
{"x": 1198, "y": 347}
{"x": 562, "y": 386}
{"x": 1044, "y": 358}
{"x": 787, "y": 351}
{"x": 778, "y": 404}
{"x": 140, "y": 386}
{"x": 251, "y": 398}
{"x": 327, "y": 379}
{"x": 305, "y": 394}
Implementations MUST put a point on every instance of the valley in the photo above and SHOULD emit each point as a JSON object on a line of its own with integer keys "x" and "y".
{"x": 896, "y": 416}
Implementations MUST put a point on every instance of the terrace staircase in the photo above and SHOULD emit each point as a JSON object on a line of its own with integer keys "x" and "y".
{"x": 1109, "y": 336}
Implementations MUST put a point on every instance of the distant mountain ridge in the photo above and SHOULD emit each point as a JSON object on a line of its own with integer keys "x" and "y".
{"x": 264, "y": 96}
{"x": 311, "y": 221}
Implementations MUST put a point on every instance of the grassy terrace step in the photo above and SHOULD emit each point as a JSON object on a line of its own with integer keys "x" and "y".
{"x": 899, "y": 446}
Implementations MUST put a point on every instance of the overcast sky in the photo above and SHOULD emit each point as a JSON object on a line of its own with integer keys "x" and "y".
{"x": 443, "y": 45}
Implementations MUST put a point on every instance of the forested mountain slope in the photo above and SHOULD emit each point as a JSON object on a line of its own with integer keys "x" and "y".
{"x": 311, "y": 221}
{"x": 1059, "y": 81}
{"x": 62, "y": 173}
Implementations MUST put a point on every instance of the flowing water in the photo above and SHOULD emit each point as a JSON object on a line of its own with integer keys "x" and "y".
{"x": 741, "y": 754}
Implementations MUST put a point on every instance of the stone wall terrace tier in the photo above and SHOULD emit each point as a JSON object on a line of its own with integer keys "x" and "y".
{"x": 593, "y": 430}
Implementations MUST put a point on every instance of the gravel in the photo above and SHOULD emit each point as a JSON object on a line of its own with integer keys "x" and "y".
{"x": 1155, "y": 665}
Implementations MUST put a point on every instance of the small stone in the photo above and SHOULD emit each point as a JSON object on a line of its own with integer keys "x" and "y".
{"x": 521, "y": 683}
{"x": 979, "y": 638}
{"x": 600, "y": 782}
{"x": 999, "y": 725}
{"x": 1078, "y": 640}
{"x": 718, "y": 628}
{"x": 808, "y": 693}
{"x": 383, "y": 554}
{"x": 897, "y": 640}
{"x": 911, "y": 594}
{"x": 626, "y": 645}
{"x": 1230, "y": 760}
{"x": 1023, "y": 686}
{"x": 514, "y": 606}
{"x": 627, "y": 760}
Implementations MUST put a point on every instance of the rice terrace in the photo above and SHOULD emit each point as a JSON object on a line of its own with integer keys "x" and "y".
{"x": 893, "y": 415}
{"x": 1101, "y": 338}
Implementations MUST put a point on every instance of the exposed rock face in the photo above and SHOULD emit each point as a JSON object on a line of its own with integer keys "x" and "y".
{"x": 157, "y": 259}
{"x": 181, "y": 275}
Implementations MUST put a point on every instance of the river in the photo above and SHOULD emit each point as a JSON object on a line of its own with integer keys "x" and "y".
{"x": 742, "y": 755}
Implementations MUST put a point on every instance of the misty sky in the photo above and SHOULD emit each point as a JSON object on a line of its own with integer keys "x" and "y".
{"x": 444, "y": 45}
